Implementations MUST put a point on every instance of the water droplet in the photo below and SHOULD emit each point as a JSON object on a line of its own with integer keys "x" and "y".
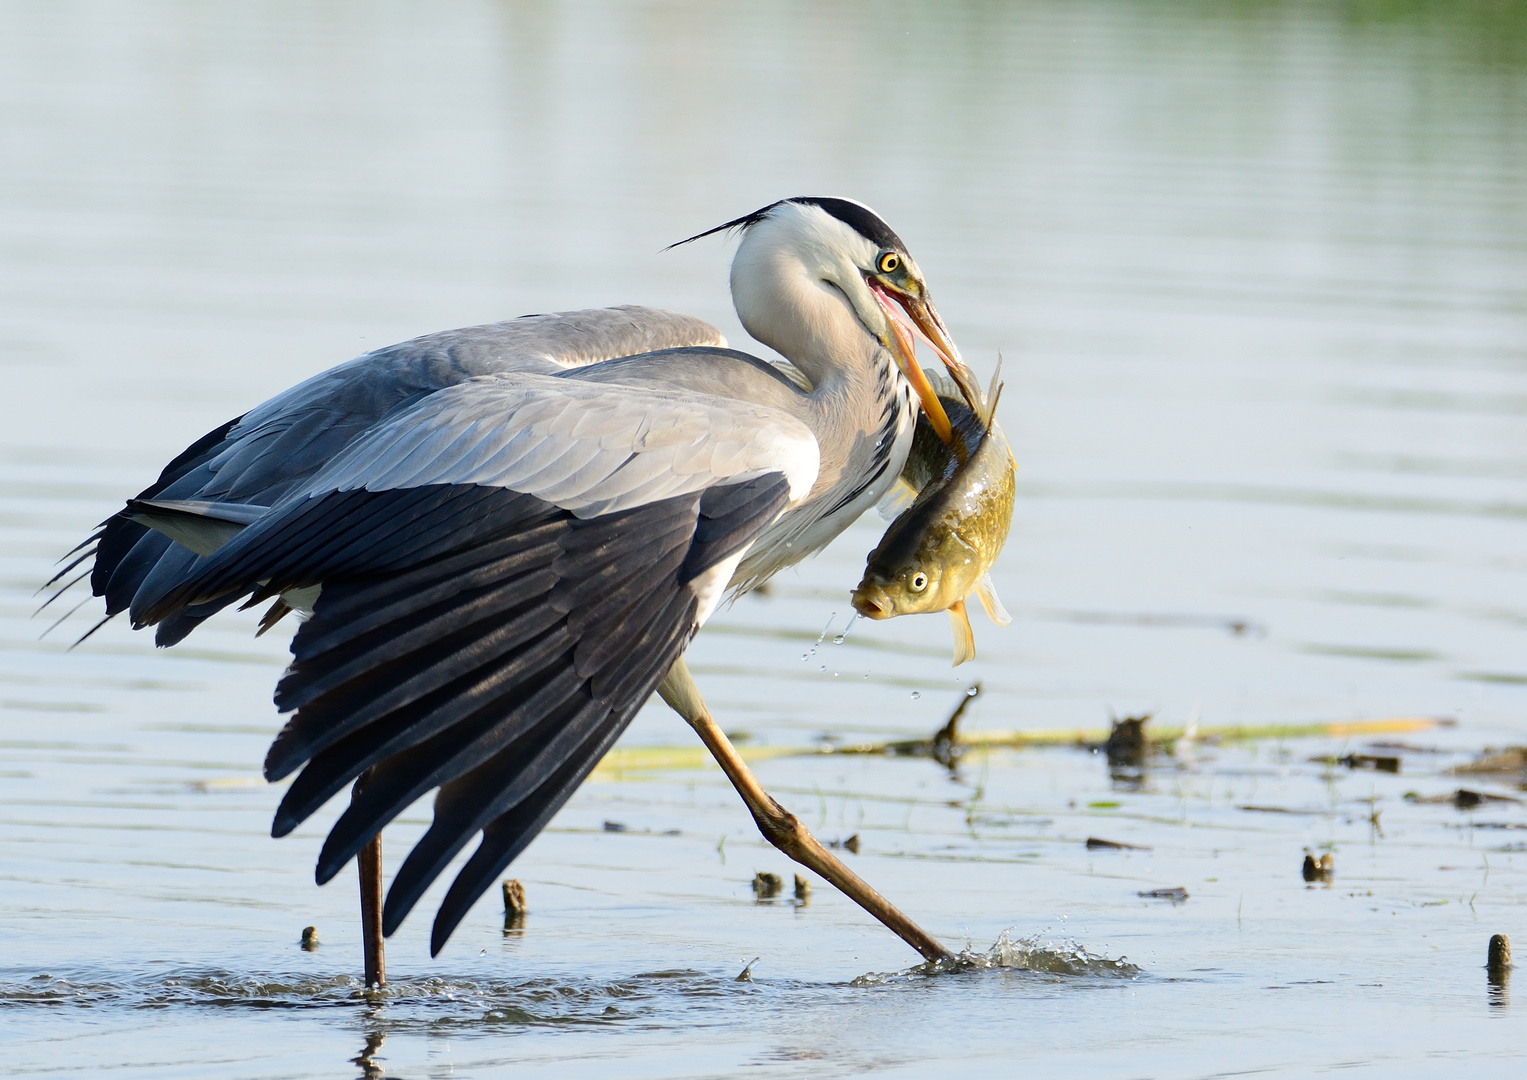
{"x": 971, "y": 692}
{"x": 839, "y": 639}
{"x": 916, "y": 694}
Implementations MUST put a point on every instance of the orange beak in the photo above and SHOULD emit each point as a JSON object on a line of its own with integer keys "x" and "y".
{"x": 905, "y": 352}
{"x": 930, "y": 327}
{"x": 916, "y": 316}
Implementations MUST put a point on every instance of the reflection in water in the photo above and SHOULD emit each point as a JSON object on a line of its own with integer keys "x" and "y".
{"x": 1498, "y": 987}
{"x": 371, "y": 1068}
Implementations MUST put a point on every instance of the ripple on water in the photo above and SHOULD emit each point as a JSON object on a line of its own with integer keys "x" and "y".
{"x": 537, "y": 1001}
{"x": 450, "y": 1000}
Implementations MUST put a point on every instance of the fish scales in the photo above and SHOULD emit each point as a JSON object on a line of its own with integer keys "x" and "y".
{"x": 941, "y": 548}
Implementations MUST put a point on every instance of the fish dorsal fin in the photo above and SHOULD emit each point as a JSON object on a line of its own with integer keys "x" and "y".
{"x": 991, "y": 406}
{"x": 989, "y": 412}
{"x": 964, "y": 640}
{"x": 991, "y": 601}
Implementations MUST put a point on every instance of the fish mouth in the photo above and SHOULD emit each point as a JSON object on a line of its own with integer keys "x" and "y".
{"x": 872, "y": 602}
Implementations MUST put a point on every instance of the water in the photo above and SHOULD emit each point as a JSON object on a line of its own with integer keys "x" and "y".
{"x": 1259, "y": 274}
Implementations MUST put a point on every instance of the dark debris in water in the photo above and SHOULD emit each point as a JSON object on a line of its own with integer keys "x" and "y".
{"x": 1097, "y": 843}
{"x": 1127, "y": 742}
{"x": 1388, "y": 763}
{"x": 767, "y": 886}
{"x": 1321, "y": 869}
{"x": 1462, "y": 799}
{"x": 1513, "y": 759}
{"x": 1176, "y": 895}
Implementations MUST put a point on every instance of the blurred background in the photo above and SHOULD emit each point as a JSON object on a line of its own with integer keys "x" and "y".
{"x": 1257, "y": 270}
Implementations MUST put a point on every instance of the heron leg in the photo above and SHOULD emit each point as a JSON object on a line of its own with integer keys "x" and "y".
{"x": 780, "y": 827}
{"x": 369, "y": 863}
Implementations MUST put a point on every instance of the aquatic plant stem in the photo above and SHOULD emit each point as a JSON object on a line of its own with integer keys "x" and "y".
{"x": 369, "y": 863}
{"x": 780, "y": 827}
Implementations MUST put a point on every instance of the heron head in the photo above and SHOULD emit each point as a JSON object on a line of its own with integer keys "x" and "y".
{"x": 843, "y": 245}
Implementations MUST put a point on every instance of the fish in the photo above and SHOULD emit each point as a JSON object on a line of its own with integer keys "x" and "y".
{"x": 941, "y": 548}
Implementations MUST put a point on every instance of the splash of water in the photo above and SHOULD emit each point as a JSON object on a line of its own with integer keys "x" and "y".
{"x": 1028, "y": 953}
{"x": 809, "y": 653}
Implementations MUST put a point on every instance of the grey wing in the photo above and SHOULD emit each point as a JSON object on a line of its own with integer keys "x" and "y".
{"x": 491, "y": 616}
{"x": 586, "y": 447}
{"x": 261, "y": 456}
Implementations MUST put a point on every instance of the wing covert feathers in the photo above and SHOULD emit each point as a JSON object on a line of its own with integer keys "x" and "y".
{"x": 592, "y": 448}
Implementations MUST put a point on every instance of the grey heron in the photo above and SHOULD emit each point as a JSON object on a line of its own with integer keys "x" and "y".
{"x": 501, "y": 540}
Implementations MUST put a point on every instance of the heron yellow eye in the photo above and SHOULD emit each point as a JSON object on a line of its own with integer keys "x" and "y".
{"x": 889, "y": 263}
{"x": 919, "y": 581}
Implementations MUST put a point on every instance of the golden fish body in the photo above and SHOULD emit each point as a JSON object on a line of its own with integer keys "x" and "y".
{"x": 942, "y": 547}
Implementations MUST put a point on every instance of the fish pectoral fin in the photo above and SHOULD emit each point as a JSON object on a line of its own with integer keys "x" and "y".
{"x": 893, "y": 502}
{"x": 964, "y": 640}
{"x": 991, "y": 601}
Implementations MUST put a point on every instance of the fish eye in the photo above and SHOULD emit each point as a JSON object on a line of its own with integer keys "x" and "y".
{"x": 919, "y": 581}
{"x": 889, "y": 262}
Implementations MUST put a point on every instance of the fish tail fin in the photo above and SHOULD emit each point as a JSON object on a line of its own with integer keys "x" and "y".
{"x": 964, "y": 640}
{"x": 991, "y": 601}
